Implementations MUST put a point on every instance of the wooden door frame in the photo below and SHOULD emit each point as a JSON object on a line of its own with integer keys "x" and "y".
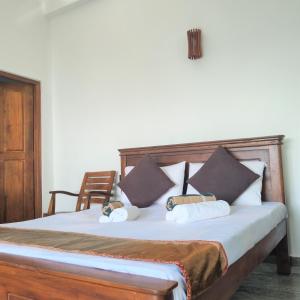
{"x": 36, "y": 137}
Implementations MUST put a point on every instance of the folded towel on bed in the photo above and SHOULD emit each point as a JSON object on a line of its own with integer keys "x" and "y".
{"x": 186, "y": 213}
{"x": 110, "y": 206}
{"x": 121, "y": 214}
{"x": 188, "y": 199}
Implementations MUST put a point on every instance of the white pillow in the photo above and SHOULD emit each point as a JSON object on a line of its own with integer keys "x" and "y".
{"x": 251, "y": 196}
{"x": 174, "y": 172}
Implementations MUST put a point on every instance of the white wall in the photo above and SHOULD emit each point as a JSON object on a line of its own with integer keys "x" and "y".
{"x": 121, "y": 78}
{"x": 51, "y": 7}
{"x": 24, "y": 51}
{"x": 122, "y": 66}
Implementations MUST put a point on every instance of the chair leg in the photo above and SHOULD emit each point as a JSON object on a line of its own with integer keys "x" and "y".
{"x": 283, "y": 259}
{"x": 78, "y": 204}
{"x": 87, "y": 203}
{"x": 51, "y": 209}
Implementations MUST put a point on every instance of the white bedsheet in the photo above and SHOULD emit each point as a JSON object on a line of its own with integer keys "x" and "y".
{"x": 238, "y": 233}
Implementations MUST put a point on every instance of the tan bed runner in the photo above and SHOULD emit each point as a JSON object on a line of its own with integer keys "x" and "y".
{"x": 200, "y": 262}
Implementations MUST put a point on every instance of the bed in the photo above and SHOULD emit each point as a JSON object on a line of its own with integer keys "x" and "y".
{"x": 36, "y": 274}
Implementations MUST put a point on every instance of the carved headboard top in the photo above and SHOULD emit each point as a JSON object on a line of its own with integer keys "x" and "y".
{"x": 267, "y": 149}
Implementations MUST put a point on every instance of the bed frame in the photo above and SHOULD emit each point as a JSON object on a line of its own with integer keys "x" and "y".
{"x": 24, "y": 278}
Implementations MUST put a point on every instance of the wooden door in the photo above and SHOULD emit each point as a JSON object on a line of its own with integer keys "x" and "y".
{"x": 16, "y": 152}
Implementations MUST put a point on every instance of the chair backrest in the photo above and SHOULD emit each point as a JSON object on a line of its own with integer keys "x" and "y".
{"x": 98, "y": 182}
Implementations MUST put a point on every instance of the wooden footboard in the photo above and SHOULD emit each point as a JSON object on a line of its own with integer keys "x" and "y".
{"x": 24, "y": 278}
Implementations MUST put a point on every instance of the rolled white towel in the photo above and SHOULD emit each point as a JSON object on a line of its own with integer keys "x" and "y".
{"x": 104, "y": 219}
{"x": 187, "y": 213}
{"x": 122, "y": 214}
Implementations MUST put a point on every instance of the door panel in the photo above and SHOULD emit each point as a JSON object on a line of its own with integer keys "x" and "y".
{"x": 14, "y": 190}
{"x": 13, "y": 120}
{"x": 16, "y": 152}
{"x": 2, "y": 195}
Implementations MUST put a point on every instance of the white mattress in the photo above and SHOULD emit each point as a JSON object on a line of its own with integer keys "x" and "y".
{"x": 238, "y": 233}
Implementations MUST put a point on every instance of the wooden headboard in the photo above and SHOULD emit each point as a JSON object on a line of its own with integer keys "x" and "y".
{"x": 267, "y": 149}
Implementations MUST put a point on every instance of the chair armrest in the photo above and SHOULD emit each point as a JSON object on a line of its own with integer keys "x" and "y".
{"x": 51, "y": 209}
{"x": 63, "y": 192}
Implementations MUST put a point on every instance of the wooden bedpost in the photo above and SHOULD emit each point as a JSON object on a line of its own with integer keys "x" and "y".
{"x": 283, "y": 259}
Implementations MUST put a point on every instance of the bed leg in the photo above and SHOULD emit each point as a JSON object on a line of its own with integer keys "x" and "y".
{"x": 283, "y": 259}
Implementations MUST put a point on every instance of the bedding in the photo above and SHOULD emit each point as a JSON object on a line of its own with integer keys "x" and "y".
{"x": 145, "y": 183}
{"x": 238, "y": 233}
{"x": 174, "y": 172}
{"x": 252, "y": 195}
{"x": 223, "y": 175}
{"x": 201, "y": 262}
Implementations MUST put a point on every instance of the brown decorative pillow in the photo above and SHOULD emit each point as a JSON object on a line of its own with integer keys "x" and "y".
{"x": 145, "y": 183}
{"x": 224, "y": 176}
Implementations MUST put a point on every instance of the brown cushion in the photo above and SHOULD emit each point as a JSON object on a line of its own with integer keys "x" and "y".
{"x": 145, "y": 183}
{"x": 224, "y": 176}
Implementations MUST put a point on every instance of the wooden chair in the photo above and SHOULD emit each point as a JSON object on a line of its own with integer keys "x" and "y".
{"x": 95, "y": 188}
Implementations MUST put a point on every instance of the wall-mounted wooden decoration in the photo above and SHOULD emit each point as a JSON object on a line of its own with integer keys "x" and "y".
{"x": 194, "y": 43}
